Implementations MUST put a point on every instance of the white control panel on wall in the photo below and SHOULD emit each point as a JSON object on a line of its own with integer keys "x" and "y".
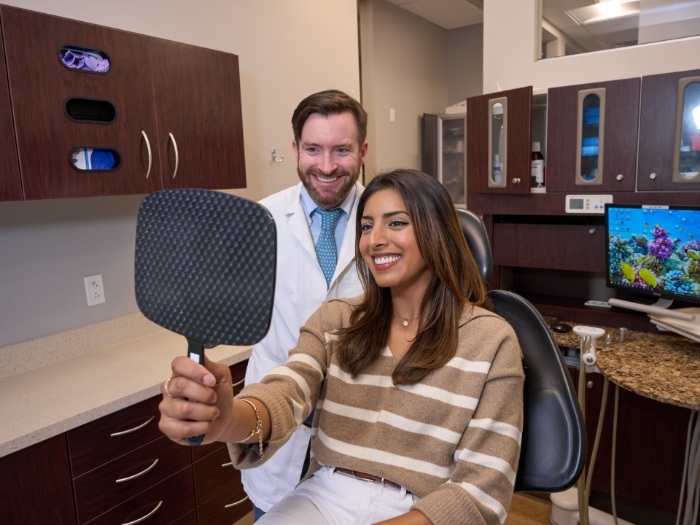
{"x": 587, "y": 203}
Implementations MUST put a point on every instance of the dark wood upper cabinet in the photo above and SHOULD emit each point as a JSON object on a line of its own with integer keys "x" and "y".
{"x": 485, "y": 139}
{"x": 657, "y": 133}
{"x": 200, "y": 126}
{"x": 43, "y": 89}
{"x": 614, "y": 122}
{"x": 10, "y": 182}
{"x": 154, "y": 109}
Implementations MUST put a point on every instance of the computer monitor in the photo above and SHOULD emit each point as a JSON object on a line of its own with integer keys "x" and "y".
{"x": 653, "y": 251}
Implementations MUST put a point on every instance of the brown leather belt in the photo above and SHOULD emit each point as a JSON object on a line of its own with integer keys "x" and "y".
{"x": 367, "y": 477}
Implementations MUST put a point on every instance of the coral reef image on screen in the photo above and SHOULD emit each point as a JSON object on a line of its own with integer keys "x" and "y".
{"x": 655, "y": 250}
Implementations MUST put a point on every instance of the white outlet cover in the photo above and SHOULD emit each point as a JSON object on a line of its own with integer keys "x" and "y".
{"x": 94, "y": 290}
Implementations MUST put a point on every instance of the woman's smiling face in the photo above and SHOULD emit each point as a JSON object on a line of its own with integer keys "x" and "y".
{"x": 388, "y": 243}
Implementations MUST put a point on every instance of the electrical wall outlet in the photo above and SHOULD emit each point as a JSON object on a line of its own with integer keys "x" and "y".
{"x": 95, "y": 290}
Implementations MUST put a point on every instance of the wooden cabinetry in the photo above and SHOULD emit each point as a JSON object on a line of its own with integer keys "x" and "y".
{"x": 121, "y": 469}
{"x": 483, "y": 140}
{"x": 657, "y": 133}
{"x": 161, "y": 108}
{"x": 649, "y": 454}
{"x": 618, "y": 136}
{"x": 10, "y": 182}
{"x": 119, "y": 456}
{"x": 200, "y": 126}
{"x": 35, "y": 485}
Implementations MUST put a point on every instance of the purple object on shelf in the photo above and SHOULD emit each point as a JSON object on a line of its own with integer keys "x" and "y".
{"x": 85, "y": 60}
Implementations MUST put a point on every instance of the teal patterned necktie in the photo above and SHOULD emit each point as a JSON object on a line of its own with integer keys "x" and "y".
{"x": 325, "y": 246}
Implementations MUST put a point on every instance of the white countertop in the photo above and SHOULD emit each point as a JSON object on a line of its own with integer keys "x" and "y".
{"x": 45, "y": 401}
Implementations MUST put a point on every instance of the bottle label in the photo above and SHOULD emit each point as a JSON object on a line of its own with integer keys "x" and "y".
{"x": 537, "y": 171}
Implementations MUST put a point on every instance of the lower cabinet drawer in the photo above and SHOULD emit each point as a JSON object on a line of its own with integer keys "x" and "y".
{"x": 224, "y": 509}
{"x": 114, "y": 482}
{"x": 218, "y": 489}
{"x": 167, "y": 502}
{"x": 110, "y": 436}
{"x": 552, "y": 246}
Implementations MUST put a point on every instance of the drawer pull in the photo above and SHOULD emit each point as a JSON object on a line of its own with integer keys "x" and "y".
{"x": 236, "y": 503}
{"x": 129, "y": 431}
{"x": 138, "y": 474}
{"x": 144, "y": 518}
{"x": 229, "y": 464}
{"x": 238, "y": 383}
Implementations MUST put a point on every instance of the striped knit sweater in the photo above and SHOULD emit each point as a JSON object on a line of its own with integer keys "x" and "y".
{"x": 453, "y": 439}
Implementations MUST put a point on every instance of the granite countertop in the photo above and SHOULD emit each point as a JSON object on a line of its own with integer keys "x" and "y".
{"x": 662, "y": 367}
{"x": 41, "y": 401}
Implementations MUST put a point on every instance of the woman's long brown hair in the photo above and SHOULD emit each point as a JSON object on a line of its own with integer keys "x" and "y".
{"x": 456, "y": 282}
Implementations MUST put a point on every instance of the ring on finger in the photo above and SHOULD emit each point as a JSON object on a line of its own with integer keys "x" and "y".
{"x": 165, "y": 387}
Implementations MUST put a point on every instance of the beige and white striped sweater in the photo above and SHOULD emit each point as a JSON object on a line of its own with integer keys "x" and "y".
{"x": 453, "y": 439}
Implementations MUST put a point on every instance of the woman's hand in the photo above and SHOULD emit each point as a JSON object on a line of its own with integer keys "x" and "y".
{"x": 198, "y": 400}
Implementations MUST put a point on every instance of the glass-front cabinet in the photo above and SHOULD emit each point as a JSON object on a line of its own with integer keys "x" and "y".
{"x": 442, "y": 152}
{"x": 669, "y": 132}
{"x": 499, "y": 142}
{"x": 592, "y": 137}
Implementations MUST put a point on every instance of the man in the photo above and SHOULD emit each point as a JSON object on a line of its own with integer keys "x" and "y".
{"x": 330, "y": 130}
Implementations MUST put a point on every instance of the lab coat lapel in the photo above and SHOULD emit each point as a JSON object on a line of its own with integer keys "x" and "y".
{"x": 297, "y": 222}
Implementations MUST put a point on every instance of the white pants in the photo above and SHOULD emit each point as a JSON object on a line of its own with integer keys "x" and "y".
{"x": 335, "y": 498}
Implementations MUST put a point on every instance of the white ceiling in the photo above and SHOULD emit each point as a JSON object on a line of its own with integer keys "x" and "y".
{"x": 450, "y": 14}
{"x": 659, "y": 20}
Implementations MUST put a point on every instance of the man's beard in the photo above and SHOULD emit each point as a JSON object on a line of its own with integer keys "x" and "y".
{"x": 331, "y": 198}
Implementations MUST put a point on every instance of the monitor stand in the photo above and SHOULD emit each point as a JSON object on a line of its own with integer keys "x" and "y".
{"x": 661, "y": 307}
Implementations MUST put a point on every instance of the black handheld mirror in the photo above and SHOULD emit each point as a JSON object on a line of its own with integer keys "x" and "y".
{"x": 205, "y": 268}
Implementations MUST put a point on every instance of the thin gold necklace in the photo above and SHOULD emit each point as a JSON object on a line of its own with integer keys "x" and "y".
{"x": 404, "y": 320}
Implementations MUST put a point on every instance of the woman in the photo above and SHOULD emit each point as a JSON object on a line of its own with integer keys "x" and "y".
{"x": 417, "y": 384}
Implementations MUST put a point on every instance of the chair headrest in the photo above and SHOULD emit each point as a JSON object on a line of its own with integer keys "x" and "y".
{"x": 478, "y": 241}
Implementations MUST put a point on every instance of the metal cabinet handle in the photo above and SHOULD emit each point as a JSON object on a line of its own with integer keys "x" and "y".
{"x": 591, "y": 231}
{"x": 129, "y": 431}
{"x": 138, "y": 474}
{"x": 229, "y": 464}
{"x": 144, "y": 518}
{"x": 620, "y": 176}
{"x": 516, "y": 180}
{"x": 237, "y": 383}
{"x": 171, "y": 138}
{"x": 652, "y": 176}
{"x": 236, "y": 503}
{"x": 150, "y": 154}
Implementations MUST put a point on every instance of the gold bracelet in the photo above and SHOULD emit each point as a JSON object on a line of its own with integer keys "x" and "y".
{"x": 257, "y": 430}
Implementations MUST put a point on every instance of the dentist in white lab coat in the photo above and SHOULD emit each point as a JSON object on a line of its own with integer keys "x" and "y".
{"x": 330, "y": 130}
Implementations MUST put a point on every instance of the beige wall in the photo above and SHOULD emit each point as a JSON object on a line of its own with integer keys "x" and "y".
{"x": 508, "y": 66}
{"x": 287, "y": 49}
{"x": 407, "y": 72}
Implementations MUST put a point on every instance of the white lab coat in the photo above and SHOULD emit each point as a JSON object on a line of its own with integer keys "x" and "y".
{"x": 300, "y": 288}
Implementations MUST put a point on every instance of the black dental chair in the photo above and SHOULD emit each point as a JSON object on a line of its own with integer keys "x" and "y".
{"x": 553, "y": 448}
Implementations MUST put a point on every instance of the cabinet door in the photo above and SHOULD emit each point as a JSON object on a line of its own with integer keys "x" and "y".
{"x": 570, "y": 247}
{"x": 646, "y": 429}
{"x": 200, "y": 125}
{"x": 657, "y": 133}
{"x": 614, "y": 124}
{"x": 10, "y": 184}
{"x": 507, "y": 135}
{"x": 35, "y": 485}
{"x": 111, "y": 111}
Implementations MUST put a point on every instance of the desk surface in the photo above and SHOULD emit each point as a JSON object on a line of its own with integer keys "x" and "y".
{"x": 662, "y": 367}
